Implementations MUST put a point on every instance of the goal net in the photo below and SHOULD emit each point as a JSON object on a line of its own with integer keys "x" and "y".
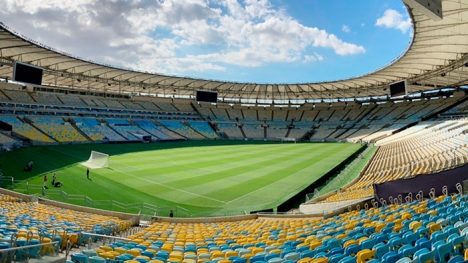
{"x": 97, "y": 160}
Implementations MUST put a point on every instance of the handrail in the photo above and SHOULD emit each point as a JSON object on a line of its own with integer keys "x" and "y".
{"x": 27, "y": 246}
{"x": 105, "y": 236}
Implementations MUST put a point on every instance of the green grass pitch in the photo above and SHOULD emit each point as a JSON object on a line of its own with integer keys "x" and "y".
{"x": 199, "y": 178}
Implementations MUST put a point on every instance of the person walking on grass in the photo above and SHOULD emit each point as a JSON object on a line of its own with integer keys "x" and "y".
{"x": 45, "y": 181}
{"x": 87, "y": 173}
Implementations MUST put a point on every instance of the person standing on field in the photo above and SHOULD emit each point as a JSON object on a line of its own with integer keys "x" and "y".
{"x": 87, "y": 173}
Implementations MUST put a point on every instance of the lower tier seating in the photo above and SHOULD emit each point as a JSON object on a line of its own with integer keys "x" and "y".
{"x": 425, "y": 148}
{"x": 433, "y": 230}
{"x": 30, "y": 223}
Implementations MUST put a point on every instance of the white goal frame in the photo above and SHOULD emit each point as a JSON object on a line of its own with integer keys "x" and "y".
{"x": 97, "y": 160}
{"x": 284, "y": 139}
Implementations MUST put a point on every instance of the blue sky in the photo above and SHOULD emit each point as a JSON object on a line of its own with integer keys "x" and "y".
{"x": 262, "y": 41}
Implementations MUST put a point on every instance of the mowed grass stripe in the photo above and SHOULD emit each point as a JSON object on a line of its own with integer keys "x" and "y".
{"x": 288, "y": 168}
{"x": 215, "y": 168}
{"x": 175, "y": 165}
{"x": 189, "y": 153}
{"x": 284, "y": 187}
{"x": 142, "y": 184}
{"x": 205, "y": 189}
{"x": 183, "y": 152}
{"x": 256, "y": 170}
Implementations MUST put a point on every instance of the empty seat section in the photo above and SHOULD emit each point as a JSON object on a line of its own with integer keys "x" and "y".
{"x": 96, "y": 130}
{"x": 25, "y": 129}
{"x": 203, "y": 128}
{"x": 182, "y": 129}
{"x": 129, "y": 131}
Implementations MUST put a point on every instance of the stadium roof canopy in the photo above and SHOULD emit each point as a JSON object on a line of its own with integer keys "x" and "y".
{"x": 437, "y": 57}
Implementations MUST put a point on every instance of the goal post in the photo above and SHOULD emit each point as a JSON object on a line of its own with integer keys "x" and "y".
{"x": 97, "y": 160}
{"x": 285, "y": 139}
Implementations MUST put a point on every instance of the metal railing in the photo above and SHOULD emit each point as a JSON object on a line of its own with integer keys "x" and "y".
{"x": 146, "y": 210}
{"x": 26, "y": 252}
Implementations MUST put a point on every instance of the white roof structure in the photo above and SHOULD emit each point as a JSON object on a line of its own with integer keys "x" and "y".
{"x": 437, "y": 57}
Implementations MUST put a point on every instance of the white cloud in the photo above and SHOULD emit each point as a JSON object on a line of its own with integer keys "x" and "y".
{"x": 393, "y": 19}
{"x": 312, "y": 58}
{"x": 345, "y": 28}
{"x": 173, "y": 36}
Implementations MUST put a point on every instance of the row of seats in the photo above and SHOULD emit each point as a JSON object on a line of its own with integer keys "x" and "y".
{"x": 57, "y": 128}
{"x": 428, "y": 147}
{"x": 182, "y": 129}
{"x": 338, "y": 112}
{"x": 25, "y": 130}
{"x": 49, "y": 129}
{"x": 30, "y": 223}
{"x": 156, "y": 104}
{"x": 433, "y": 230}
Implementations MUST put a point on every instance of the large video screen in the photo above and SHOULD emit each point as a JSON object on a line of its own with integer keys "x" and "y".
{"x": 398, "y": 89}
{"x": 27, "y": 74}
{"x": 207, "y": 96}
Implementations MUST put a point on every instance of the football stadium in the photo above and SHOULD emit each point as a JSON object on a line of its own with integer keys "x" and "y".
{"x": 104, "y": 163}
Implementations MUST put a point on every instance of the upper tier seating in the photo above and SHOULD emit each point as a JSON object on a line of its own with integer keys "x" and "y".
{"x": 25, "y": 130}
{"x": 277, "y": 130}
{"x": 254, "y": 131}
{"x": 57, "y": 128}
{"x": 231, "y": 130}
{"x": 46, "y": 98}
{"x": 184, "y": 107}
{"x": 425, "y": 148}
{"x": 250, "y": 115}
{"x": 220, "y": 114}
{"x": 97, "y": 131}
{"x": 158, "y": 131}
{"x": 428, "y": 231}
{"x": 18, "y": 96}
{"x": 235, "y": 114}
{"x": 203, "y": 128}
{"x": 182, "y": 129}
{"x": 71, "y": 100}
{"x": 124, "y": 128}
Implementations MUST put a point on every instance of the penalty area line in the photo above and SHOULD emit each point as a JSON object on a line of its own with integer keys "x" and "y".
{"x": 168, "y": 186}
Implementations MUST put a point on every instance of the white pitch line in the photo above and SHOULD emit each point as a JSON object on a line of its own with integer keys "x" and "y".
{"x": 150, "y": 181}
{"x": 170, "y": 187}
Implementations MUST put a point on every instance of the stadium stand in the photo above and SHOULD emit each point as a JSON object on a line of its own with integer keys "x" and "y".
{"x": 265, "y": 115}
{"x": 183, "y": 106}
{"x": 56, "y": 128}
{"x": 7, "y": 141}
{"x": 18, "y": 96}
{"x": 432, "y": 230}
{"x": 250, "y": 114}
{"x": 25, "y": 130}
{"x": 235, "y": 114}
{"x": 220, "y": 114}
{"x": 254, "y": 131}
{"x": 203, "y": 128}
{"x": 424, "y": 148}
{"x": 277, "y": 130}
{"x": 46, "y": 98}
{"x": 158, "y": 131}
{"x": 182, "y": 129}
{"x": 97, "y": 131}
{"x": 230, "y": 129}
{"x": 125, "y": 129}
{"x": 71, "y": 100}
{"x": 27, "y": 222}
